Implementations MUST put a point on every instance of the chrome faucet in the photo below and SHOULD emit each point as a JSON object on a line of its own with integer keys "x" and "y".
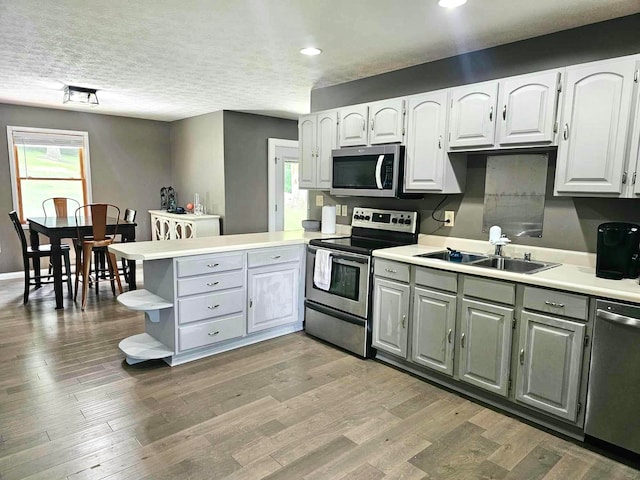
{"x": 497, "y": 238}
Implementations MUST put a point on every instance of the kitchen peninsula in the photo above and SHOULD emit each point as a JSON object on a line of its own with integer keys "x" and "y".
{"x": 212, "y": 294}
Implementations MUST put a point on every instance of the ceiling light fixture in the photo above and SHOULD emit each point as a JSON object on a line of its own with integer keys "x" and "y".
{"x": 311, "y": 51}
{"x": 80, "y": 95}
{"x": 451, "y": 3}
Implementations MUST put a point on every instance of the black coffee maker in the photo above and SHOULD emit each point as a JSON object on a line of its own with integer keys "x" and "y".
{"x": 617, "y": 253}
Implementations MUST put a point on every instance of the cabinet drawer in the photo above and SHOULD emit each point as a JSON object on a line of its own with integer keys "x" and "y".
{"x": 430, "y": 277}
{"x": 393, "y": 270}
{"x": 209, "y": 264}
{"x": 495, "y": 290}
{"x": 194, "y": 336}
{"x": 197, "y": 308}
{"x": 559, "y": 303}
{"x": 210, "y": 283}
{"x": 273, "y": 256}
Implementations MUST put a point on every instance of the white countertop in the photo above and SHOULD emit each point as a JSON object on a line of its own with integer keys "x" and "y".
{"x": 578, "y": 276}
{"x": 191, "y": 217}
{"x": 156, "y": 250}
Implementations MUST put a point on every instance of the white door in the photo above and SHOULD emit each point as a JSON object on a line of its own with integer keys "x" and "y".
{"x": 386, "y": 121}
{"x": 485, "y": 345}
{"x": 273, "y": 296}
{"x": 550, "y": 364}
{"x": 425, "y": 153}
{"x": 307, "y": 139}
{"x": 287, "y": 202}
{"x": 433, "y": 329}
{"x": 327, "y": 140}
{"x": 353, "y": 126}
{"x": 595, "y": 128}
{"x": 473, "y": 116}
{"x": 390, "y": 316}
{"x": 528, "y": 109}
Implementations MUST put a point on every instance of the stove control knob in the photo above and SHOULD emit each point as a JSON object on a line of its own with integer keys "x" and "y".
{"x": 407, "y": 222}
{"x": 367, "y": 217}
{"x": 394, "y": 220}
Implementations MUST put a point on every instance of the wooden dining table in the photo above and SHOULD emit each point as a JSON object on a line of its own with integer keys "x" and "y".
{"x": 57, "y": 228}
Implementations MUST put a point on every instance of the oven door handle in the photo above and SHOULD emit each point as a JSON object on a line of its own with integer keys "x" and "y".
{"x": 344, "y": 258}
{"x": 379, "y": 171}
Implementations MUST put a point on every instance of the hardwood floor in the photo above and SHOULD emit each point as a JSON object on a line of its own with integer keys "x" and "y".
{"x": 289, "y": 408}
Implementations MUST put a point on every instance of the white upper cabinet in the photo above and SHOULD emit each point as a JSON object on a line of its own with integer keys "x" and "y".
{"x": 317, "y": 136}
{"x": 592, "y": 155}
{"x": 353, "y": 126}
{"x": 372, "y": 123}
{"x": 428, "y": 167}
{"x": 473, "y": 116}
{"x": 528, "y": 106}
{"x": 386, "y": 121}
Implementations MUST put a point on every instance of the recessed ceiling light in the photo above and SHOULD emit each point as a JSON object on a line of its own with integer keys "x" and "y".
{"x": 311, "y": 51}
{"x": 451, "y": 3}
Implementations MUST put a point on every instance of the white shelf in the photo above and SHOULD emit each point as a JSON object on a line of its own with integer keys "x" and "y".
{"x": 143, "y": 300}
{"x": 143, "y": 346}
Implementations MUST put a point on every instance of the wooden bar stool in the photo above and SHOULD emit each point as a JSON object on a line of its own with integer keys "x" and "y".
{"x": 98, "y": 212}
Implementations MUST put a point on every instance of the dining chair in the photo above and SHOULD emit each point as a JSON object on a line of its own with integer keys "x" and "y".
{"x": 29, "y": 256}
{"x": 59, "y": 206}
{"x": 100, "y": 252}
{"x": 98, "y": 212}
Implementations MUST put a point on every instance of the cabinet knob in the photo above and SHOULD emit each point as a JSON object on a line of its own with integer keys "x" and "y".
{"x": 404, "y": 321}
{"x": 250, "y": 303}
{"x": 491, "y": 114}
{"x": 211, "y": 307}
{"x": 565, "y": 131}
{"x": 449, "y": 335}
{"x": 363, "y": 125}
{"x": 462, "y": 341}
{"x": 213, "y": 334}
{"x": 440, "y": 142}
{"x": 212, "y": 265}
{"x": 275, "y": 257}
{"x": 504, "y": 113}
{"x": 522, "y": 357}
{"x": 212, "y": 284}
{"x": 372, "y": 124}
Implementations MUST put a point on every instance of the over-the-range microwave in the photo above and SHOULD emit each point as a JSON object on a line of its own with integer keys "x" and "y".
{"x": 369, "y": 172}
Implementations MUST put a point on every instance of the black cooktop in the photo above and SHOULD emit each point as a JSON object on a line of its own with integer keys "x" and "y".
{"x": 360, "y": 245}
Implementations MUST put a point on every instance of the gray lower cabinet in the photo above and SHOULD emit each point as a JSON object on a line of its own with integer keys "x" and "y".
{"x": 550, "y": 354}
{"x": 485, "y": 345}
{"x": 390, "y": 316}
{"x": 433, "y": 329}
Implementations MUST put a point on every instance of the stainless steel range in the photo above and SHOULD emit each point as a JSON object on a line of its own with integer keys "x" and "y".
{"x": 340, "y": 313}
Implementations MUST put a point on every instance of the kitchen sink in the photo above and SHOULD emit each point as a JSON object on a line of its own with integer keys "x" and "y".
{"x": 515, "y": 265}
{"x": 464, "y": 257}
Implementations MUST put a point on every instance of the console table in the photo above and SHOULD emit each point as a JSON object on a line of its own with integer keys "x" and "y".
{"x": 173, "y": 226}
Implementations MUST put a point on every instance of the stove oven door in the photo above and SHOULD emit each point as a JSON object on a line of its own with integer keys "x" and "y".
{"x": 349, "y": 288}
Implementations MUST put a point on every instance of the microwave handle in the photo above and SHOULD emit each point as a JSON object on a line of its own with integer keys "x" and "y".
{"x": 379, "y": 171}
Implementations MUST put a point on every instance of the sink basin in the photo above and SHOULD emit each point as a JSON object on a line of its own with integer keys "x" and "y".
{"x": 514, "y": 265}
{"x": 465, "y": 257}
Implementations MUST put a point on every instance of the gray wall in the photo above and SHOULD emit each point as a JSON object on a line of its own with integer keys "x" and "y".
{"x": 245, "y": 168}
{"x": 130, "y": 161}
{"x": 569, "y": 223}
{"x": 197, "y": 159}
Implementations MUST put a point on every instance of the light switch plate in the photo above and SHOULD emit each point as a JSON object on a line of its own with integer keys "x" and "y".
{"x": 344, "y": 210}
{"x": 319, "y": 201}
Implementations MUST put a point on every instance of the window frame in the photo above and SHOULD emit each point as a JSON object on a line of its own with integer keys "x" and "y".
{"x": 85, "y": 162}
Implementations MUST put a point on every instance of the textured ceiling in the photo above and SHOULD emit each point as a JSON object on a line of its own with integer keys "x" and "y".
{"x": 170, "y": 59}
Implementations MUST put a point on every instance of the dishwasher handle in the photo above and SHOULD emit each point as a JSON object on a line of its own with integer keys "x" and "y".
{"x": 616, "y": 318}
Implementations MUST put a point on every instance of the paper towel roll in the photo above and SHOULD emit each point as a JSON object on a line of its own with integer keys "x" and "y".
{"x": 329, "y": 219}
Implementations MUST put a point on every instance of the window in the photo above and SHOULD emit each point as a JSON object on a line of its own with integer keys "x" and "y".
{"x": 47, "y": 163}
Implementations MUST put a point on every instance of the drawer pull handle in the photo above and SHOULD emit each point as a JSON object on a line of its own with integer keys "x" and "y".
{"x": 522, "y": 357}
{"x": 554, "y": 304}
{"x": 211, "y": 307}
{"x": 462, "y": 341}
{"x": 390, "y": 270}
{"x": 404, "y": 321}
{"x": 213, "y": 334}
{"x": 275, "y": 257}
{"x": 449, "y": 335}
{"x": 212, "y": 284}
{"x": 212, "y": 265}
{"x": 250, "y": 303}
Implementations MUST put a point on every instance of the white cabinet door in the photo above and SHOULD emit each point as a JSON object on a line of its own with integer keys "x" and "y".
{"x": 433, "y": 329}
{"x": 634, "y": 152}
{"x": 485, "y": 345}
{"x": 425, "y": 152}
{"x": 353, "y": 126}
{"x": 473, "y": 116}
{"x": 273, "y": 296}
{"x": 326, "y": 140}
{"x": 550, "y": 364}
{"x": 528, "y": 109}
{"x": 386, "y": 121}
{"x": 307, "y": 149}
{"x": 594, "y": 129}
{"x": 390, "y": 316}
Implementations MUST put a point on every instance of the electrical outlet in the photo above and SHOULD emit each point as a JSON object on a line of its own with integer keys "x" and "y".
{"x": 448, "y": 217}
{"x": 319, "y": 201}
{"x": 344, "y": 210}
{"x": 338, "y": 210}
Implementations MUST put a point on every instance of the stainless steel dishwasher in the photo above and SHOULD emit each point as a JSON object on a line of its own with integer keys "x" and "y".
{"x": 613, "y": 400}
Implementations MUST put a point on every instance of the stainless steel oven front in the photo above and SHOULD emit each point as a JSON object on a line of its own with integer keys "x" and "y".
{"x": 349, "y": 288}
